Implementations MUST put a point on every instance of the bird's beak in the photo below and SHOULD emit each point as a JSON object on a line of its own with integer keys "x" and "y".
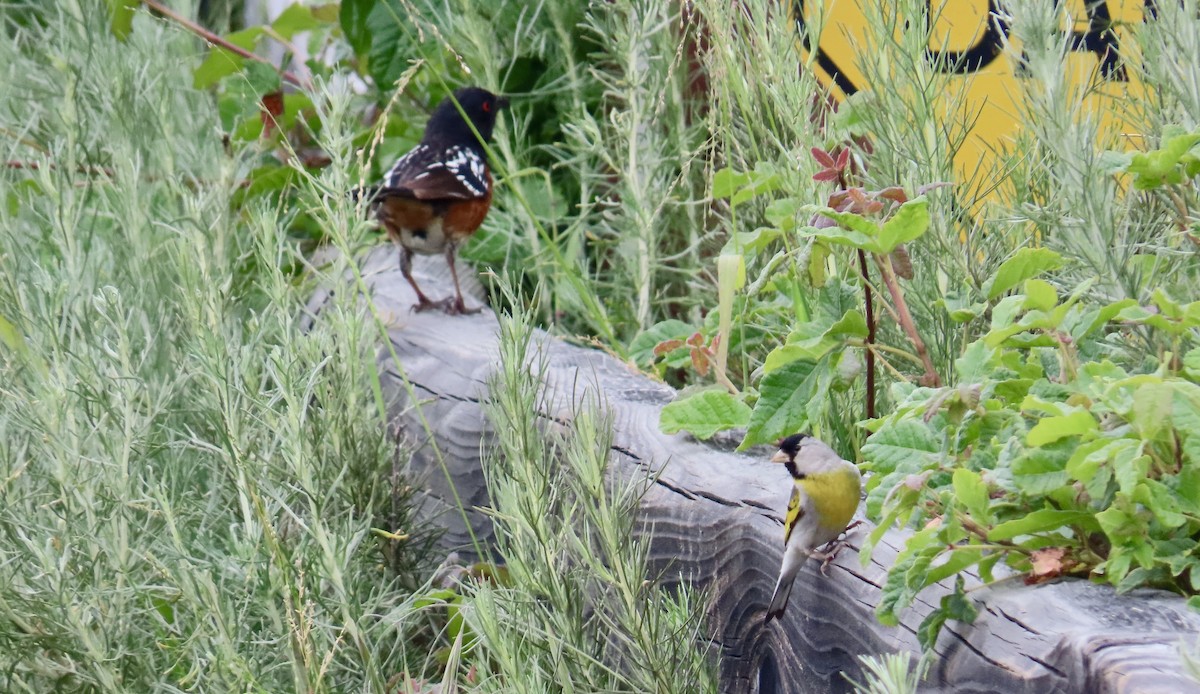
{"x": 501, "y": 103}
{"x": 780, "y": 457}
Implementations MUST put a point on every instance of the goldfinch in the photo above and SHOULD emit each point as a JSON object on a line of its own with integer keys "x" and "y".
{"x": 824, "y": 498}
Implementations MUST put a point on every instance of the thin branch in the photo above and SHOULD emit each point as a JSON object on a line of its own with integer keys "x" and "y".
{"x": 218, "y": 41}
{"x": 869, "y": 304}
{"x": 888, "y": 273}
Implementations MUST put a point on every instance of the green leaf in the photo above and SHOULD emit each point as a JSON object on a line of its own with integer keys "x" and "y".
{"x": 1051, "y": 429}
{"x": 1041, "y": 521}
{"x": 782, "y": 213}
{"x": 850, "y": 220}
{"x": 353, "y": 16}
{"x": 909, "y": 222}
{"x": 1040, "y": 295}
{"x": 221, "y": 62}
{"x": 842, "y": 237}
{"x": 977, "y": 362}
{"x": 217, "y": 64}
{"x": 122, "y": 17}
{"x": 1040, "y": 471}
{"x": 704, "y": 414}
{"x": 955, "y": 606}
{"x": 1130, "y": 467}
{"x": 1025, "y": 263}
{"x": 783, "y": 397}
{"x": 903, "y": 442}
{"x": 851, "y": 324}
{"x": 763, "y": 180}
{"x": 11, "y": 337}
{"x": 726, "y": 182}
{"x": 960, "y": 307}
{"x": 641, "y": 350}
{"x": 1152, "y": 404}
{"x": 293, "y": 20}
{"x": 971, "y": 492}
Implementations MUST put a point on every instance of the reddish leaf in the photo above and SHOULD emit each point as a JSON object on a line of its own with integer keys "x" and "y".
{"x": 272, "y": 109}
{"x": 830, "y": 175}
{"x": 894, "y": 193}
{"x": 901, "y": 262}
{"x": 700, "y": 362}
{"x": 1045, "y": 564}
{"x": 696, "y": 340}
{"x": 823, "y": 158}
{"x": 843, "y": 159}
{"x": 667, "y": 346}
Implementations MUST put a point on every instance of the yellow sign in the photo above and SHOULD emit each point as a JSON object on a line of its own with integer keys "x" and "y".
{"x": 968, "y": 39}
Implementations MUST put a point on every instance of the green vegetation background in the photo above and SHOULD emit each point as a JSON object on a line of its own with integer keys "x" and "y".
{"x": 199, "y": 495}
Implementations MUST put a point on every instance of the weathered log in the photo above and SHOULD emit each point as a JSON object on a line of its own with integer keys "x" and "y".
{"x": 716, "y": 518}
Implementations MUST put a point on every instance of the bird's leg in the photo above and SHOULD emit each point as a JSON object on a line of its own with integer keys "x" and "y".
{"x": 830, "y": 550}
{"x": 423, "y": 302}
{"x": 455, "y": 306}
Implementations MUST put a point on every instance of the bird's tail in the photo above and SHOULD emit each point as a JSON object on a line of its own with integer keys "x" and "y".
{"x": 779, "y": 601}
{"x": 793, "y": 558}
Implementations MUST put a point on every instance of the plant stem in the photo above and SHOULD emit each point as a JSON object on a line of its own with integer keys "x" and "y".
{"x": 888, "y": 273}
{"x": 869, "y": 309}
{"x": 218, "y": 41}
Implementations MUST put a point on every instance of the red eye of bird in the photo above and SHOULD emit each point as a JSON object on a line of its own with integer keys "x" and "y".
{"x": 487, "y": 108}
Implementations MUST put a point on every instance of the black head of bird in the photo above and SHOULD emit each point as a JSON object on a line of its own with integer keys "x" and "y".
{"x": 447, "y": 124}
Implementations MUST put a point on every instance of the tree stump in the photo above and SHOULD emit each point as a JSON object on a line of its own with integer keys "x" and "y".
{"x": 716, "y": 522}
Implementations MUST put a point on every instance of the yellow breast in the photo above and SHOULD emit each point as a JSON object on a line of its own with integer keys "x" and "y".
{"x": 835, "y": 496}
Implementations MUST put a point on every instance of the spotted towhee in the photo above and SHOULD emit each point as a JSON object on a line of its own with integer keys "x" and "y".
{"x": 437, "y": 194}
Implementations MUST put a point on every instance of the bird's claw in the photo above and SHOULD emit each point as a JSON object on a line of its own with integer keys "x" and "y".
{"x": 830, "y": 550}
{"x": 424, "y": 305}
{"x": 456, "y": 307}
{"x": 452, "y": 306}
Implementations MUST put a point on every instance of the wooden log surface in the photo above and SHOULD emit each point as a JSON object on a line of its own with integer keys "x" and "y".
{"x": 716, "y": 520}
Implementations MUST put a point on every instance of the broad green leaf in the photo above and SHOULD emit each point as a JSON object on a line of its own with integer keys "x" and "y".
{"x": 763, "y": 180}
{"x": 1161, "y": 501}
{"x": 641, "y": 350}
{"x": 217, "y": 64}
{"x": 971, "y": 492}
{"x": 1051, "y": 429}
{"x": 1044, "y": 520}
{"x": 1152, "y": 404}
{"x": 956, "y": 606}
{"x": 353, "y": 16}
{"x": 961, "y": 558}
{"x": 781, "y": 409}
{"x": 842, "y": 237}
{"x": 293, "y": 20}
{"x": 960, "y": 307}
{"x": 782, "y": 213}
{"x": 704, "y": 414}
{"x": 1040, "y": 295}
{"x": 1025, "y": 263}
{"x": 122, "y": 12}
{"x": 1130, "y": 468}
{"x": 909, "y": 222}
{"x": 905, "y": 441}
{"x": 1040, "y": 471}
{"x": 786, "y": 354}
{"x": 977, "y": 361}
{"x": 727, "y": 181}
{"x": 851, "y": 324}
{"x": 12, "y": 338}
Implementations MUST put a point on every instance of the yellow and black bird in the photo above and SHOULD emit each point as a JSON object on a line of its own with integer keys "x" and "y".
{"x": 825, "y": 495}
{"x": 438, "y": 194}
